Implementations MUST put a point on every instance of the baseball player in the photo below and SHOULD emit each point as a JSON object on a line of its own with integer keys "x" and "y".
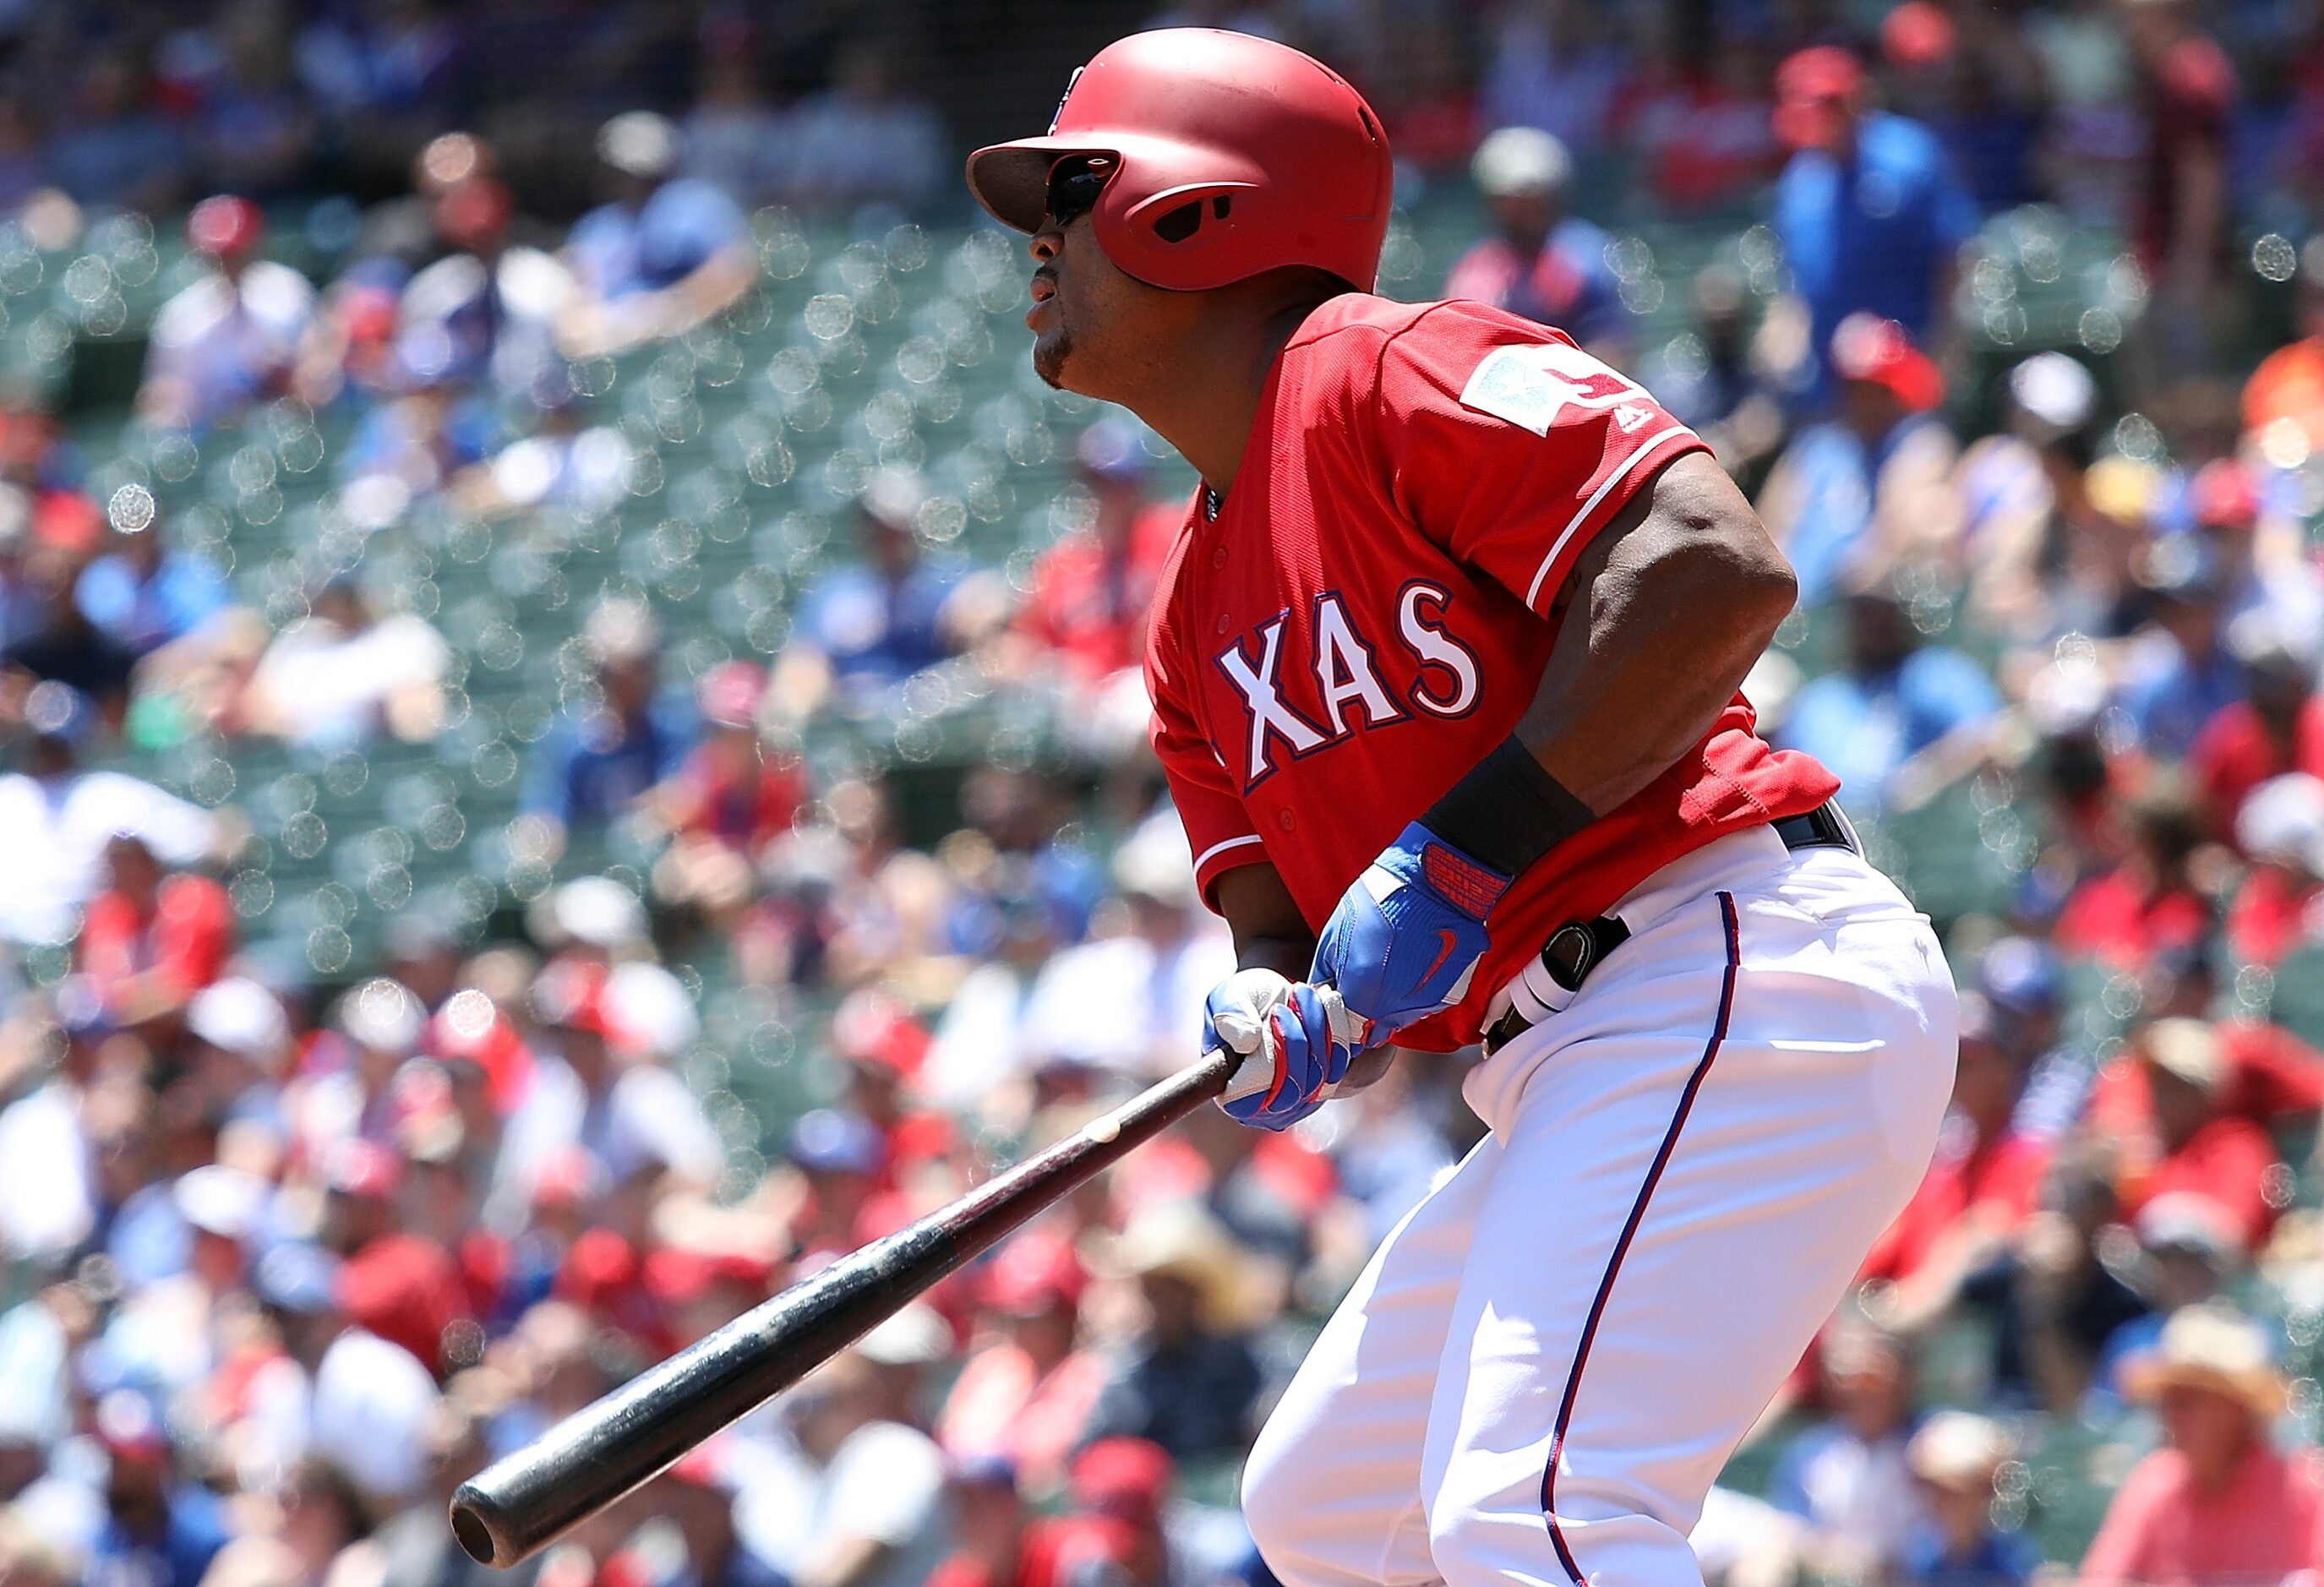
{"x": 1445, "y": 668}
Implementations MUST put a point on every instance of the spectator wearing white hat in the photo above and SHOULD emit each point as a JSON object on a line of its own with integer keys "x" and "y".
{"x": 59, "y": 818}
{"x": 2192, "y": 1141}
{"x": 379, "y": 1024}
{"x": 170, "y": 1333}
{"x": 866, "y": 626}
{"x": 1152, "y": 971}
{"x": 599, "y": 760}
{"x": 662, "y": 254}
{"x": 2276, "y": 911}
{"x": 1541, "y": 262}
{"x": 2040, "y": 558}
{"x": 2218, "y": 1502}
{"x": 1955, "y": 1457}
{"x": 849, "y": 1497}
{"x": 2188, "y": 1248}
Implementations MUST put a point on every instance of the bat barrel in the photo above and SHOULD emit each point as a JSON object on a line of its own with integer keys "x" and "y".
{"x": 609, "y": 1448}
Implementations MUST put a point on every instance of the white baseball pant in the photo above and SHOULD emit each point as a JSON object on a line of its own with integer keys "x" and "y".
{"x": 1543, "y": 1368}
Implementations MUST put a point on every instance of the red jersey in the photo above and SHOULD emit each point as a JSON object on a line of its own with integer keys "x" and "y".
{"x": 1089, "y": 604}
{"x": 1369, "y": 613}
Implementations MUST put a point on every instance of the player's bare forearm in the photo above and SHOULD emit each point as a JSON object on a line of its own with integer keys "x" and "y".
{"x": 1667, "y": 611}
{"x": 1270, "y": 932}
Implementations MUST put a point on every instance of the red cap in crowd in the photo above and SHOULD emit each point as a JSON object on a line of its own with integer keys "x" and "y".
{"x": 1880, "y": 352}
{"x": 599, "y": 1266}
{"x": 1815, "y": 96}
{"x": 1123, "y": 1478}
{"x": 1917, "y": 34}
{"x": 2224, "y": 495}
{"x": 405, "y": 1289}
{"x": 225, "y": 226}
{"x": 1034, "y": 1274}
{"x": 675, "y": 1276}
{"x": 362, "y": 1168}
{"x": 873, "y": 1027}
{"x": 728, "y": 695}
{"x": 568, "y": 1177}
{"x": 475, "y": 213}
{"x": 571, "y": 993}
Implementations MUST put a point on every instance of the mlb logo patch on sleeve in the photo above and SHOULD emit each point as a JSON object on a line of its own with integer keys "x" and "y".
{"x": 1530, "y": 385}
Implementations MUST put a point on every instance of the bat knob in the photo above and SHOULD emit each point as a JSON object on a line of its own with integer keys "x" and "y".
{"x": 474, "y": 1533}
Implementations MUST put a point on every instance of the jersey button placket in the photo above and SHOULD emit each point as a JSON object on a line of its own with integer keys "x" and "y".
{"x": 1219, "y": 558}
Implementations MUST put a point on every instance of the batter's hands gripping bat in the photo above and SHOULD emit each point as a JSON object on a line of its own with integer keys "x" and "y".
{"x": 607, "y": 1450}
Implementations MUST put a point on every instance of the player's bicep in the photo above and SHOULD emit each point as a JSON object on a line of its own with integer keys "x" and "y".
{"x": 1688, "y": 508}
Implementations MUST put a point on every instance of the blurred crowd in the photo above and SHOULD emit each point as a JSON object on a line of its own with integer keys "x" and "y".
{"x": 290, "y": 1251}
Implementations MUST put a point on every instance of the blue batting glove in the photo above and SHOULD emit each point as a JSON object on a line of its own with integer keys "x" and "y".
{"x": 1404, "y": 939}
{"x": 1285, "y": 1032}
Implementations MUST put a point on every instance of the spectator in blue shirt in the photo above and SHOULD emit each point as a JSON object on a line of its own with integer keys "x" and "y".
{"x": 1869, "y": 211}
{"x": 1711, "y": 382}
{"x": 1901, "y": 718}
{"x": 1955, "y": 1457}
{"x": 666, "y": 254}
{"x": 2179, "y": 672}
{"x": 147, "y": 592}
{"x": 1872, "y": 488}
{"x": 1541, "y": 262}
{"x": 158, "y": 1531}
{"x": 596, "y": 762}
{"x": 864, "y": 628}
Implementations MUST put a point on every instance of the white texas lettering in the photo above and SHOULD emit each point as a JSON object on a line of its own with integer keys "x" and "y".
{"x": 1436, "y": 648}
{"x": 1268, "y": 713}
{"x": 1343, "y": 669}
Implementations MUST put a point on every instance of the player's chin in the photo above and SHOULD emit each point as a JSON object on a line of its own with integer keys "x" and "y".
{"x": 1052, "y": 353}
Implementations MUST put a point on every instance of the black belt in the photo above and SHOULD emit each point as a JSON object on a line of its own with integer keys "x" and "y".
{"x": 1577, "y": 947}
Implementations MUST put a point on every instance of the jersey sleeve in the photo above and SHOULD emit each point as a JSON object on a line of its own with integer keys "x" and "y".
{"x": 1512, "y": 448}
{"x": 1219, "y": 831}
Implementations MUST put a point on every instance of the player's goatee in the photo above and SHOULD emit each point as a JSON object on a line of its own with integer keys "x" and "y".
{"x": 1049, "y": 359}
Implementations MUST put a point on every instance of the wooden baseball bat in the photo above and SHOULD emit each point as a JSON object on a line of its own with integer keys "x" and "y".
{"x": 604, "y": 1451}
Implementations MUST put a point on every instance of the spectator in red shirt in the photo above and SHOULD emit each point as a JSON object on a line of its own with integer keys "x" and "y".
{"x": 1026, "y": 1394}
{"x": 990, "y": 1545}
{"x": 730, "y": 797}
{"x": 1986, "y": 1179}
{"x": 2278, "y": 726}
{"x": 1703, "y": 124}
{"x": 2218, "y": 1503}
{"x": 884, "y": 1047}
{"x": 1092, "y": 590}
{"x": 1114, "y": 1536}
{"x": 2269, "y": 1072}
{"x": 2281, "y": 830}
{"x": 2146, "y": 904}
{"x": 2189, "y": 1142}
{"x": 2188, "y": 94}
{"x": 152, "y": 939}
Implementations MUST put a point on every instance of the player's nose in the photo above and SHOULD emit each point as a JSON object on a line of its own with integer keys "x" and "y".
{"x": 1046, "y": 244}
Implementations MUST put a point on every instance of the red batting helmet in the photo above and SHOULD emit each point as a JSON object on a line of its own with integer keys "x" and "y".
{"x": 1230, "y": 155}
